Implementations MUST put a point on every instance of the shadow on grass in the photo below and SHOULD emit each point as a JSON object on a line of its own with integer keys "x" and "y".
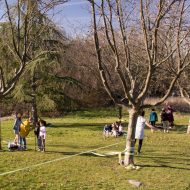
{"x": 101, "y": 113}
{"x": 165, "y": 161}
{"x": 88, "y": 126}
{"x": 180, "y": 128}
{"x": 162, "y": 166}
{"x": 177, "y": 128}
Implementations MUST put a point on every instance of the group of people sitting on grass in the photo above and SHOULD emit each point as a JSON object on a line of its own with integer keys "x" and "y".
{"x": 21, "y": 130}
{"x": 115, "y": 129}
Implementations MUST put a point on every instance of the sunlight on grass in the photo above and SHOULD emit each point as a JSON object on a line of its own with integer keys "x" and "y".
{"x": 165, "y": 158}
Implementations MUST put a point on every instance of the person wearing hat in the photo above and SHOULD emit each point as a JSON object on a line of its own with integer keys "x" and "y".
{"x": 16, "y": 128}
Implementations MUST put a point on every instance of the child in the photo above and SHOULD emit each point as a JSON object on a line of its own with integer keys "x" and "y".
{"x": 42, "y": 134}
{"x": 115, "y": 129}
{"x": 164, "y": 120}
{"x": 120, "y": 128}
{"x": 107, "y": 130}
{"x": 16, "y": 128}
{"x": 153, "y": 117}
{"x": 37, "y": 133}
{"x": 139, "y": 133}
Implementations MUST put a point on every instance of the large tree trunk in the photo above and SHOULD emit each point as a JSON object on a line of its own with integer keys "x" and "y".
{"x": 130, "y": 142}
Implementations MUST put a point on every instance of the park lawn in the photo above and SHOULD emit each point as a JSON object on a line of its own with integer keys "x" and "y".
{"x": 165, "y": 158}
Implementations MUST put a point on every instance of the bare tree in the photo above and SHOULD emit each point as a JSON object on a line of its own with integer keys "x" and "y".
{"x": 20, "y": 38}
{"x": 183, "y": 84}
{"x": 143, "y": 37}
{"x": 21, "y": 20}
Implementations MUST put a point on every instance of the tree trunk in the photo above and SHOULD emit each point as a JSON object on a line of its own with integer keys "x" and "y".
{"x": 130, "y": 142}
{"x": 34, "y": 111}
{"x": 0, "y": 127}
{"x": 120, "y": 112}
{"x": 0, "y": 133}
{"x": 34, "y": 105}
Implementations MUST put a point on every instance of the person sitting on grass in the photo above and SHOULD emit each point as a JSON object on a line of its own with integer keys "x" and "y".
{"x": 107, "y": 130}
{"x": 42, "y": 134}
{"x": 115, "y": 129}
{"x": 120, "y": 128}
{"x": 139, "y": 133}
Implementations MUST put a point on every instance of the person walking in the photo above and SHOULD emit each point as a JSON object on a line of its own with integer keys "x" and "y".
{"x": 139, "y": 133}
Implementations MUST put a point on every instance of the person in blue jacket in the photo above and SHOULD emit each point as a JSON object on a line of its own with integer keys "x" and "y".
{"x": 16, "y": 128}
{"x": 153, "y": 117}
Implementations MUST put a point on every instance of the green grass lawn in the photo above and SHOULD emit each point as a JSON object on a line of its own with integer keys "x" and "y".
{"x": 165, "y": 158}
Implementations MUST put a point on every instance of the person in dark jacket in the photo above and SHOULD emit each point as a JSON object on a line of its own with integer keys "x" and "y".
{"x": 16, "y": 128}
{"x": 37, "y": 132}
{"x": 170, "y": 111}
{"x": 164, "y": 120}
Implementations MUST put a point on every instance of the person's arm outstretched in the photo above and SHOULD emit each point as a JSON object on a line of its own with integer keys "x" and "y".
{"x": 149, "y": 125}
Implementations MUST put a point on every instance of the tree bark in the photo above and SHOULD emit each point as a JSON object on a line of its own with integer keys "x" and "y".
{"x": 120, "y": 112}
{"x": 0, "y": 133}
{"x": 34, "y": 111}
{"x": 130, "y": 142}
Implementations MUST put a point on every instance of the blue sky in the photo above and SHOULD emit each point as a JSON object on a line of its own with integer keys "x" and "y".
{"x": 73, "y": 16}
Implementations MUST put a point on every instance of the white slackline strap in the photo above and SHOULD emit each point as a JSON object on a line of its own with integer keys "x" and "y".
{"x": 127, "y": 151}
{"x": 56, "y": 160}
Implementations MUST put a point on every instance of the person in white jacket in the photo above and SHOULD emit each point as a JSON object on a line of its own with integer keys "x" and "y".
{"x": 139, "y": 133}
{"x": 42, "y": 134}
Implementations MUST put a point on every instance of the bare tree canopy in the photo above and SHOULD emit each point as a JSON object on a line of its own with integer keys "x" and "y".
{"x": 19, "y": 35}
{"x": 143, "y": 37}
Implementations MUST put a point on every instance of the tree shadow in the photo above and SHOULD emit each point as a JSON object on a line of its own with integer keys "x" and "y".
{"x": 165, "y": 161}
{"x": 102, "y": 113}
{"x": 162, "y": 166}
{"x": 87, "y": 126}
{"x": 168, "y": 157}
{"x": 180, "y": 128}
